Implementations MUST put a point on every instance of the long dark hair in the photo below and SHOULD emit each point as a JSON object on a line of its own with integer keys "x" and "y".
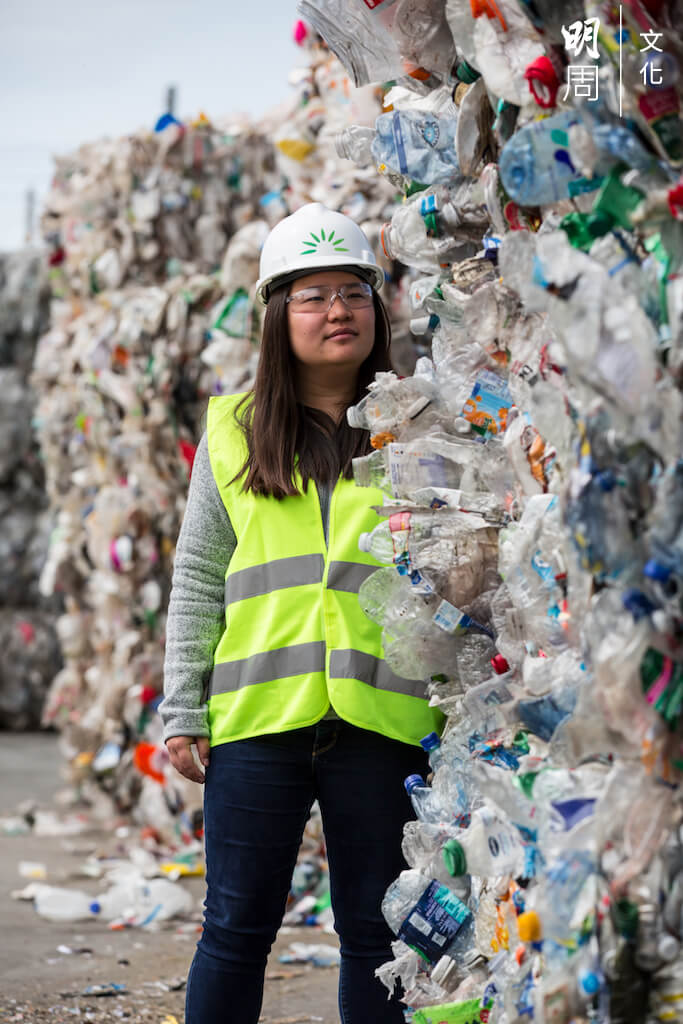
{"x": 282, "y": 433}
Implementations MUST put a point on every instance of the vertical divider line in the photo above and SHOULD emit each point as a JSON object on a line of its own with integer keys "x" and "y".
{"x": 621, "y": 43}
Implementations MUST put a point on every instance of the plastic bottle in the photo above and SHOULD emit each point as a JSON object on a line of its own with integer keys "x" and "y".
{"x": 425, "y": 802}
{"x": 390, "y": 538}
{"x": 60, "y": 904}
{"x": 139, "y": 901}
{"x": 396, "y": 406}
{"x": 431, "y": 744}
{"x": 504, "y": 46}
{"x": 428, "y": 917}
{"x": 490, "y": 846}
{"x": 355, "y": 143}
{"x": 431, "y": 461}
{"x": 419, "y": 233}
{"x": 461, "y": 23}
{"x": 417, "y": 144}
{"x": 377, "y": 42}
{"x": 535, "y": 164}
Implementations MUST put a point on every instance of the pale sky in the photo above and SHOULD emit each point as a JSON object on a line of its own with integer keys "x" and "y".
{"x": 72, "y": 72}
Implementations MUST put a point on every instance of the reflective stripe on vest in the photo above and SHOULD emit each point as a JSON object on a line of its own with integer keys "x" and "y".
{"x": 302, "y": 658}
{"x": 294, "y": 572}
{"x": 295, "y": 638}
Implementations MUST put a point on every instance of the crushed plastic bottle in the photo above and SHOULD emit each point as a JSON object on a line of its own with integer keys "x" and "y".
{"x": 427, "y": 916}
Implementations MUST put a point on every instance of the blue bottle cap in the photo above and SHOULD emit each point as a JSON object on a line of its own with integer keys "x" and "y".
{"x": 637, "y": 603}
{"x": 412, "y": 782}
{"x": 430, "y": 741}
{"x": 95, "y": 907}
{"x": 655, "y": 570}
{"x": 589, "y": 981}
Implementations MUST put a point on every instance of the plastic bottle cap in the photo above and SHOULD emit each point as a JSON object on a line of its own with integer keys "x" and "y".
{"x": 637, "y": 603}
{"x": 464, "y": 72}
{"x": 599, "y": 222}
{"x": 430, "y": 741}
{"x": 364, "y": 542}
{"x": 420, "y": 324}
{"x": 529, "y": 926}
{"x": 543, "y": 82}
{"x": 654, "y": 570}
{"x": 668, "y": 947}
{"x": 454, "y": 858}
{"x": 626, "y": 918}
{"x": 589, "y": 981}
{"x": 412, "y": 781}
{"x": 95, "y": 907}
{"x": 500, "y": 664}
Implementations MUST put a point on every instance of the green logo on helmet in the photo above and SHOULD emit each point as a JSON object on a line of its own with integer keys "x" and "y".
{"x": 312, "y": 245}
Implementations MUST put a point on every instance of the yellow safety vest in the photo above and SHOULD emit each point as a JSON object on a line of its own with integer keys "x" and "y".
{"x": 295, "y": 638}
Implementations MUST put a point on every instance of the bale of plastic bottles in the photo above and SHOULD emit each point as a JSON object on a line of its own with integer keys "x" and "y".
{"x": 531, "y": 538}
{"x": 26, "y": 618}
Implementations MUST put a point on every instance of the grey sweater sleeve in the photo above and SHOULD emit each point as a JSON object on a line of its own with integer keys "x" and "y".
{"x": 196, "y": 609}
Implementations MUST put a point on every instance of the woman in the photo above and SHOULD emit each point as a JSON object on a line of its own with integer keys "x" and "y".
{"x": 272, "y": 670}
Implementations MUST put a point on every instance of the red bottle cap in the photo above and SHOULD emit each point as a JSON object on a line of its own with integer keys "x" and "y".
{"x": 543, "y": 82}
{"x": 675, "y": 198}
{"x": 500, "y": 665}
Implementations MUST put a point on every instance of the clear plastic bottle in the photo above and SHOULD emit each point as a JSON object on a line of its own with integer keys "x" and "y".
{"x": 504, "y": 46}
{"x": 417, "y": 144}
{"x": 400, "y": 469}
{"x": 421, "y": 236}
{"x": 378, "y": 41}
{"x": 139, "y": 901}
{"x": 56, "y": 903}
{"x": 396, "y": 405}
{"x": 428, "y": 916}
{"x": 355, "y": 143}
{"x": 461, "y": 23}
{"x": 534, "y": 168}
{"x": 390, "y": 537}
{"x": 431, "y": 744}
{"x": 425, "y": 802}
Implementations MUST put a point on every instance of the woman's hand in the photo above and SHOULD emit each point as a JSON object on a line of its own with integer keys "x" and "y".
{"x": 180, "y": 752}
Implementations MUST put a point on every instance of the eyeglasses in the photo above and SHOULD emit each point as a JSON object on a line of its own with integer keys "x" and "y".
{"x": 319, "y": 298}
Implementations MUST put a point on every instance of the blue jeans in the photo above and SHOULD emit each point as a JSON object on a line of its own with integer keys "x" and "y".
{"x": 257, "y": 799}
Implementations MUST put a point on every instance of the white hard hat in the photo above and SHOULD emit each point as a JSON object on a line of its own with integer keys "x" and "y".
{"x": 315, "y": 238}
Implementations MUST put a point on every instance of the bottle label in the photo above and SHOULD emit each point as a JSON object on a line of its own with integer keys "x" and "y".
{"x": 398, "y": 142}
{"x": 434, "y": 922}
{"x": 448, "y": 617}
{"x": 487, "y": 407}
{"x": 407, "y": 466}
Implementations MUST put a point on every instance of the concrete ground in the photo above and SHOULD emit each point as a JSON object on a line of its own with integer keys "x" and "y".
{"x": 45, "y": 967}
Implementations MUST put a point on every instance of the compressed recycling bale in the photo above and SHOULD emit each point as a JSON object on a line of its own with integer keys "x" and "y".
{"x": 30, "y": 657}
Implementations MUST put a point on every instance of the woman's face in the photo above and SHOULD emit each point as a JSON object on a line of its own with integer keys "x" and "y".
{"x": 337, "y": 337}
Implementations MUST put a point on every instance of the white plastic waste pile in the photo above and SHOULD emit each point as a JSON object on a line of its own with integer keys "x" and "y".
{"x": 27, "y": 634}
{"x": 532, "y": 531}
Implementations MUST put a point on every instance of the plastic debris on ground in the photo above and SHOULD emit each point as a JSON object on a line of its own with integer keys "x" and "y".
{"x": 531, "y": 536}
{"x": 317, "y": 954}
